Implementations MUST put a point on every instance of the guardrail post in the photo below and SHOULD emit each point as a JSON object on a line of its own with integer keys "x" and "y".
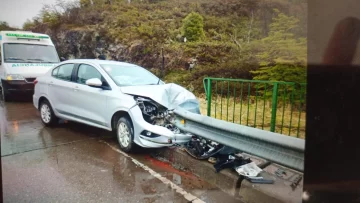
{"x": 208, "y": 96}
{"x": 274, "y": 107}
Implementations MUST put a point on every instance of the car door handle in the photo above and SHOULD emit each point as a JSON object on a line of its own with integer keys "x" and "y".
{"x": 51, "y": 83}
{"x": 76, "y": 88}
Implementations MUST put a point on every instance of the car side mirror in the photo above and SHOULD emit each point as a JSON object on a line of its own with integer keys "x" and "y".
{"x": 62, "y": 59}
{"x": 94, "y": 82}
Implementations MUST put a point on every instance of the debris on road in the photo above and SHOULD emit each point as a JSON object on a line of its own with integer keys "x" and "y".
{"x": 248, "y": 170}
{"x": 224, "y": 157}
{"x": 261, "y": 180}
{"x": 229, "y": 161}
{"x": 212, "y": 160}
{"x": 201, "y": 148}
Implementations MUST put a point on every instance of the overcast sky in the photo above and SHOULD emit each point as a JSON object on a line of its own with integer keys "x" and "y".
{"x": 15, "y": 12}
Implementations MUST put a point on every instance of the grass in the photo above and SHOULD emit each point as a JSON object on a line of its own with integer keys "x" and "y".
{"x": 288, "y": 121}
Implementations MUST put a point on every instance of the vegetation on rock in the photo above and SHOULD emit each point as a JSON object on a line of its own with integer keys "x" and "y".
{"x": 249, "y": 39}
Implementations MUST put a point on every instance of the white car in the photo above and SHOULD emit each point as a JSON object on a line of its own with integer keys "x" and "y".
{"x": 120, "y": 97}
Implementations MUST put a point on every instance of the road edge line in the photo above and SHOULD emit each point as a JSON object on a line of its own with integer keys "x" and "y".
{"x": 188, "y": 196}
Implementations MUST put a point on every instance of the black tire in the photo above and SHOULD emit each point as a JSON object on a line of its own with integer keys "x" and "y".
{"x": 53, "y": 120}
{"x": 125, "y": 122}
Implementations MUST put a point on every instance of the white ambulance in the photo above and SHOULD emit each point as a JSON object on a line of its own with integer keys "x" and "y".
{"x": 24, "y": 56}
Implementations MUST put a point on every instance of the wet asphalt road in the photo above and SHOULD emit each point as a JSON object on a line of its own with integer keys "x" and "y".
{"x": 78, "y": 163}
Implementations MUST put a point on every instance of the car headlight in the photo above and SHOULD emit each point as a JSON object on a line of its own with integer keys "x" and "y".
{"x": 14, "y": 77}
{"x": 146, "y": 105}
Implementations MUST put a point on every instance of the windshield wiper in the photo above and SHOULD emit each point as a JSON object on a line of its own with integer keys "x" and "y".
{"x": 40, "y": 60}
{"x": 35, "y": 59}
{"x": 14, "y": 58}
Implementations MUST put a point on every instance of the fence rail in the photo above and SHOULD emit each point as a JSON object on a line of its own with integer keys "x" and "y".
{"x": 274, "y": 106}
{"x": 284, "y": 150}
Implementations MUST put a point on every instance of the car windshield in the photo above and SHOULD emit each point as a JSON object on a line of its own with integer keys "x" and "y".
{"x": 130, "y": 75}
{"x": 30, "y": 53}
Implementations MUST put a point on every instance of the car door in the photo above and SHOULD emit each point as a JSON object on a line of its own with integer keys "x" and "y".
{"x": 90, "y": 101}
{"x": 60, "y": 88}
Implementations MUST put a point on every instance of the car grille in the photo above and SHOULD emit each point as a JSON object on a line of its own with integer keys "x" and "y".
{"x": 30, "y": 80}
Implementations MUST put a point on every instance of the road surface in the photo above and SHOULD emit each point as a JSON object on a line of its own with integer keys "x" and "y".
{"x": 78, "y": 163}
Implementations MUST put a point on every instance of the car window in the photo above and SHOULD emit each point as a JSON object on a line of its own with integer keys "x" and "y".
{"x": 130, "y": 75}
{"x": 64, "y": 72}
{"x": 55, "y": 72}
{"x": 86, "y": 72}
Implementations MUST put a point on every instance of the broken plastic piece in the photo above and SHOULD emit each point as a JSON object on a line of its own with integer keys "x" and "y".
{"x": 212, "y": 160}
{"x": 229, "y": 161}
{"x": 250, "y": 169}
{"x": 200, "y": 148}
{"x": 261, "y": 181}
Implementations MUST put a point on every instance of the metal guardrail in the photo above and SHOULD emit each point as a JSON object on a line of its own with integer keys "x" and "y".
{"x": 268, "y": 105}
{"x": 284, "y": 150}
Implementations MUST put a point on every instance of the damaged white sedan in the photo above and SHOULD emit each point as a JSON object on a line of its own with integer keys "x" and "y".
{"x": 116, "y": 96}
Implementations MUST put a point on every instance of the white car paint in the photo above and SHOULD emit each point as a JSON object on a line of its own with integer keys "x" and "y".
{"x": 169, "y": 95}
{"x": 96, "y": 106}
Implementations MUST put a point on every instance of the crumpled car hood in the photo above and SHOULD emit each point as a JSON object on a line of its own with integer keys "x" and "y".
{"x": 169, "y": 95}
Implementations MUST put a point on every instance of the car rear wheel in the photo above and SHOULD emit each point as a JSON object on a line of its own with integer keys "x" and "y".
{"x": 125, "y": 134}
{"x": 47, "y": 115}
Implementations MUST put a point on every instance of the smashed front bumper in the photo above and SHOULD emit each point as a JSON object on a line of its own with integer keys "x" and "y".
{"x": 153, "y": 136}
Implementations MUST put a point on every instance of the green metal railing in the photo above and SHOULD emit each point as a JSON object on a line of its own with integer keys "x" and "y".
{"x": 273, "y": 106}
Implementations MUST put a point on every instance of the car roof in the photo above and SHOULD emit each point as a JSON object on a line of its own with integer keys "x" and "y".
{"x": 99, "y": 62}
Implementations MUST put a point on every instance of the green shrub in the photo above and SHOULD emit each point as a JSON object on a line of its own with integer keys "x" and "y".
{"x": 193, "y": 27}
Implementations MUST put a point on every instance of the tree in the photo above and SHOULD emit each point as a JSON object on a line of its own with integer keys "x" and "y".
{"x": 282, "y": 54}
{"x": 28, "y": 25}
{"x": 5, "y": 26}
{"x": 283, "y": 58}
{"x": 281, "y": 46}
{"x": 193, "y": 27}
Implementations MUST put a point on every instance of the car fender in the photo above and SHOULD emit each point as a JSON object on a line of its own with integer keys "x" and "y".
{"x": 117, "y": 109}
{"x": 47, "y": 98}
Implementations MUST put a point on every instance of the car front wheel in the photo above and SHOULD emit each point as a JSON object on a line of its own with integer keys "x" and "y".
{"x": 125, "y": 134}
{"x": 47, "y": 115}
